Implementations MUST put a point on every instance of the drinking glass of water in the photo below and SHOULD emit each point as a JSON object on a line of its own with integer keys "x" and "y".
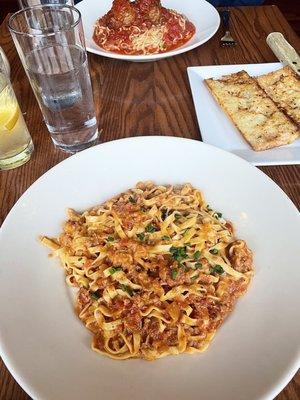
{"x": 50, "y": 43}
{"x": 30, "y": 3}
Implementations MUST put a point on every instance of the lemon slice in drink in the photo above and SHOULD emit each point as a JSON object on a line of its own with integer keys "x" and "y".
{"x": 9, "y": 110}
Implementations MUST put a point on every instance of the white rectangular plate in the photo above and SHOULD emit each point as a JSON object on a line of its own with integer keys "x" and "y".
{"x": 217, "y": 129}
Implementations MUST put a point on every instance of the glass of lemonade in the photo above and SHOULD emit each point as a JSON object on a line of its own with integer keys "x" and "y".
{"x": 50, "y": 43}
{"x": 16, "y": 145}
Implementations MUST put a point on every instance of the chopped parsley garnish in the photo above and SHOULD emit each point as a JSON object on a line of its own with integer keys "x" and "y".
{"x": 197, "y": 255}
{"x": 178, "y": 253}
{"x": 174, "y": 273}
{"x": 214, "y": 251}
{"x": 208, "y": 208}
{"x": 95, "y": 296}
{"x": 150, "y": 228}
{"x": 177, "y": 216}
{"x": 218, "y": 215}
{"x": 126, "y": 289}
{"x": 80, "y": 258}
{"x": 132, "y": 200}
{"x": 113, "y": 270}
{"x": 193, "y": 278}
{"x": 110, "y": 238}
{"x": 198, "y": 265}
{"x": 141, "y": 236}
{"x": 166, "y": 238}
{"x": 218, "y": 269}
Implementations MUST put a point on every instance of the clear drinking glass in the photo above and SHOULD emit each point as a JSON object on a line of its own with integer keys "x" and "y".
{"x": 50, "y": 43}
{"x": 30, "y": 3}
{"x": 16, "y": 145}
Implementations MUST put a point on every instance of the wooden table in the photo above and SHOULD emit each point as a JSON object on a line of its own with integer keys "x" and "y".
{"x": 142, "y": 99}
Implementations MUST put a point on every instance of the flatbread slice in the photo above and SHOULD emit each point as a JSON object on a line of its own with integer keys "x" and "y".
{"x": 283, "y": 86}
{"x": 256, "y": 116}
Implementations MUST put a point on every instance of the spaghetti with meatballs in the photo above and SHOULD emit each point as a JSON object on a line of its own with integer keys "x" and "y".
{"x": 141, "y": 27}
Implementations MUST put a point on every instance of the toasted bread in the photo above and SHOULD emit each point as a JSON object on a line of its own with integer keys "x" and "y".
{"x": 256, "y": 116}
{"x": 283, "y": 86}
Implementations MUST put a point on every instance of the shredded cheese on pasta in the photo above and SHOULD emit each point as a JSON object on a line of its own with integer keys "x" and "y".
{"x": 149, "y": 39}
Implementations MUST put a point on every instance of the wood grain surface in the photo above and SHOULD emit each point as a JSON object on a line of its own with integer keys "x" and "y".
{"x": 145, "y": 99}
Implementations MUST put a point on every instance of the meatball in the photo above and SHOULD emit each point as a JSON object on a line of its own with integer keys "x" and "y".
{"x": 151, "y": 9}
{"x": 122, "y": 13}
{"x": 240, "y": 256}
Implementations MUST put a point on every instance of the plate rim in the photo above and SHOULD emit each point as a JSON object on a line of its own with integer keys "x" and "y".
{"x": 285, "y": 378}
{"x": 137, "y": 138}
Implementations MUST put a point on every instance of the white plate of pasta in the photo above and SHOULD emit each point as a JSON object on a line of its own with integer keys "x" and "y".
{"x": 146, "y": 30}
{"x": 170, "y": 276}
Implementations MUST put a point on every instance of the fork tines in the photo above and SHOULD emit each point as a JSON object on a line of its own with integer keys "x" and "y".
{"x": 227, "y": 40}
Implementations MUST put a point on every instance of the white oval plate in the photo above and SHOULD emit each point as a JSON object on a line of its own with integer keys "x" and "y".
{"x": 201, "y": 13}
{"x": 47, "y": 349}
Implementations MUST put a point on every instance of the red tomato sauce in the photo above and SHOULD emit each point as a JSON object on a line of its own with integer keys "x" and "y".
{"x": 117, "y": 30}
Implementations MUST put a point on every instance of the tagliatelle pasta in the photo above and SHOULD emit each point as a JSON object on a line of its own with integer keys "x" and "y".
{"x": 157, "y": 271}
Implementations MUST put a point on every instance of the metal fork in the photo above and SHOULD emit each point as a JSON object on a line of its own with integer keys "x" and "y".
{"x": 227, "y": 39}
